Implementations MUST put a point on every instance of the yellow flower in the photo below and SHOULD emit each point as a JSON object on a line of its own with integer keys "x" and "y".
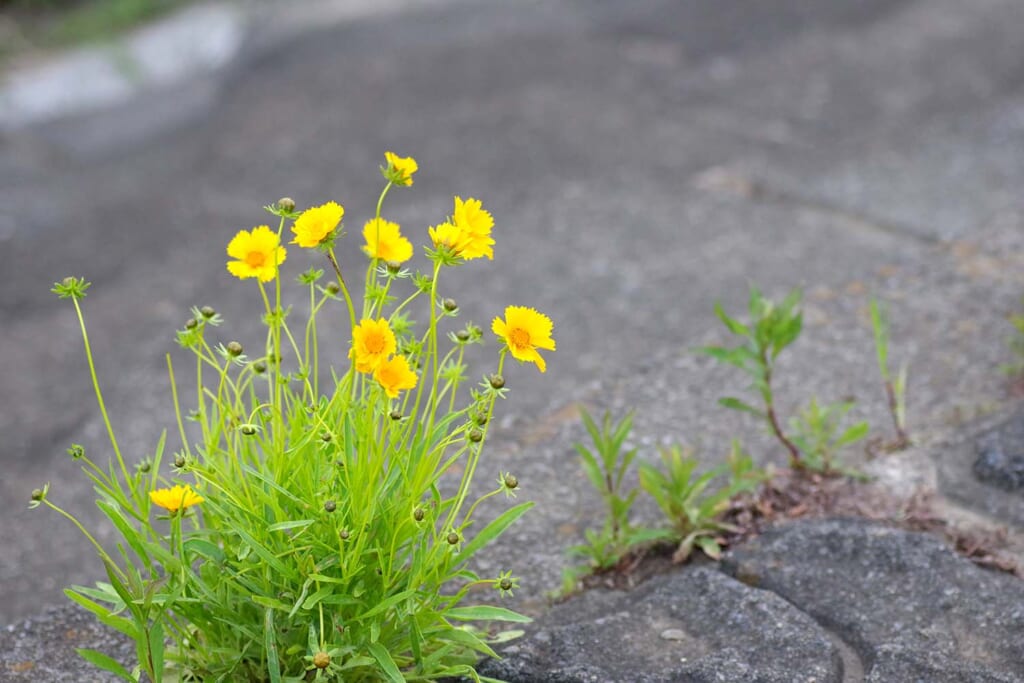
{"x": 524, "y": 331}
{"x": 385, "y": 242}
{"x": 395, "y": 376}
{"x": 372, "y": 342}
{"x": 400, "y": 169}
{"x": 317, "y": 224}
{"x": 474, "y": 225}
{"x": 445, "y": 235}
{"x": 176, "y": 498}
{"x": 258, "y": 253}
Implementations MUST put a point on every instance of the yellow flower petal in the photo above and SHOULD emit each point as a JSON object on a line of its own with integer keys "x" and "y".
{"x": 400, "y": 168}
{"x": 176, "y": 498}
{"x": 372, "y": 342}
{"x": 384, "y": 241}
{"x": 317, "y": 224}
{"x": 258, "y": 254}
{"x": 524, "y": 330}
{"x": 395, "y": 375}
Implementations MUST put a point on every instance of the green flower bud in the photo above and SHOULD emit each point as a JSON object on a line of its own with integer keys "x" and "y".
{"x": 208, "y": 311}
{"x": 330, "y": 506}
{"x": 286, "y": 204}
{"x": 321, "y": 660}
{"x": 453, "y": 538}
{"x": 191, "y": 324}
{"x": 497, "y": 381}
{"x": 247, "y": 429}
{"x": 179, "y": 461}
{"x": 259, "y": 368}
{"x": 462, "y": 335}
{"x": 450, "y": 305}
{"x": 234, "y": 348}
{"x": 145, "y": 466}
{"x": 333, "y": 287}
{"x": 396, "y": 415}
{"x": 76, "y": 451}
{"x": 343, "y": 534}
{"x": 475, "y": 435}
{"x": 418, "y": 514}
{"x": 511, "y": 482}
{"x": 326, "y": 437}
{"x": 37, "y": 494}
{"x": 505, "y": 584}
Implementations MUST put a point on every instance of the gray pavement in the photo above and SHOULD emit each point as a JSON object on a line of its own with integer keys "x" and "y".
{"x": 642, "y": 160}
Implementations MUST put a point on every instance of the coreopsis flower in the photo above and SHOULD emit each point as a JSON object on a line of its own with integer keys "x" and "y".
{"x": 316, "y": 225}
{"x": 395, "y": 375}
{"x": 445, "y": 235}
{"x": 257, "y": 253}
{"x": 400, "y": 169}
{"x": 524, "y": 330}
{"x": 474, "y": 224}
{"x": 384, "y": 241}
{"x": 176, "y": 498}
{"x": 372, "y": 342}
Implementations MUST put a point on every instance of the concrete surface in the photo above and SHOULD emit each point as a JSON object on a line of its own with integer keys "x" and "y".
{"x": 641, "y": 159}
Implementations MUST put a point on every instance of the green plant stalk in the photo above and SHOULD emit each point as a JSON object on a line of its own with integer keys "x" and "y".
{"x": 773, "y": 420}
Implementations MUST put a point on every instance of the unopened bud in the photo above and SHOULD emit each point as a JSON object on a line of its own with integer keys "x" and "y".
{"x": 505, "y": 584}
{"x": 462, "y": 335}
{"x": 179, "y": 461}
{"x": 511, "y": 482}
{"x": 333, "y": 287}
{"x": 191, "y": 324}
{"x": 396, "y": 415}
{"x": 418, "y": 514}
{"x": 450, "y": 305}
{"x": 286, "y": 204}
{"x": 480, "y": 419}
{"x": 208, "y": 311}
{"x": 326, "y": 437}
{"x": 475, "y": 435}
{"x": 321, "y": 660}
{"x": 330, "y": 506}
{"x": 234, "y": 348}
{"x": 497, "y": 381}
{"x": 144, "y": 466}
{"x": 453, "y": 538}
{"x": 259, "y": 368}
{"x": 393, "y": 268}
{"x": 343, "y": 534}
{"x": 37, "y": 494}
{"x": 76, "y": 451}
{"x": 247, "y": 429}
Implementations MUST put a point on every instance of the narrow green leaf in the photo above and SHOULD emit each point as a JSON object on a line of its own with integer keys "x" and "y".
{"x": 156, "y": 649}
{"x": 492, "y": 531}
{"x": 104, "y": 615}
{"x": 296, "y": 524}
{"x": 102, "y": 661}
{"x": 736, "y": 404}
{"x": 486, "y": 613}
{"x": 383, "y": 657}
{"x": 270, "y": 646}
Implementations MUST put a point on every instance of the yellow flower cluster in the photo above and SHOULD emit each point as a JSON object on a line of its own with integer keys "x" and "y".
{"x": 468, "y": 233}
{"x": 400, "y": 169}
{"x": 316, "y": 225}
{"x": 373, "y": 342}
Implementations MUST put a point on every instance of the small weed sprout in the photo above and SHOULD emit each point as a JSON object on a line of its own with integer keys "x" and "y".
{"x": 772, "y": 327}
{"x": 693, "y": 503}
{"x": 896, "y": 386}
{"x": 819, "y": 434}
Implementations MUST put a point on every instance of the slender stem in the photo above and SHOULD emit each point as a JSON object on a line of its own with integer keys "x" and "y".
{"x": 901, "y": 435}
{"x": 344, "y": 289}
{"x": 773, "y": 420}
{"x": 99, "y": 549}
{"x": 99, "y": 394}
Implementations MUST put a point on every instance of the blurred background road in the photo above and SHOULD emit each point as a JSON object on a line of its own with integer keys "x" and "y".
{"x": 641, "y": 159}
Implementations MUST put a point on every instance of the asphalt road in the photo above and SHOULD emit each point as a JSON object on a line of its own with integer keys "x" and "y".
{"x": 642, "y": 159}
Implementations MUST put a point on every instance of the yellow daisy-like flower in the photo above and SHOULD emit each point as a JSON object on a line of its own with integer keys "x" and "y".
{"x": 317, "y": 224}
{"x": 258, "y": 254}
{"x": 395, "y": 375}
{"x": 384, "y": 241}
{"x": 372, "y": 342}
{"x": 400, "y": 169}
{"x": 176, "y": 498}
{"x": 445, "y": 235}
{"x": 474, "y": 224}
{"x": 525, "y": 330}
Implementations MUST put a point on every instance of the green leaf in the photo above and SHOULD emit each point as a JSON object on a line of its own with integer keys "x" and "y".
{"x": 102, "y": 661}
{"x": 486, "y": 613}
{"x": 383, "y": 657}
{"x": 204, "y": 548}
{"x": 853, "y": 434}
{"x": 156, "y": 649}
{"x": 733, "y": 325}
{"x": 272, "y": 603}
{"x": 130, "y": 533}
{"x": 492, "y": 531}
{"x": 105, "y": 616}
{"x": 736, "y": 404}
{"x": 270, "y": 646}
{"x": 297, "y": 524}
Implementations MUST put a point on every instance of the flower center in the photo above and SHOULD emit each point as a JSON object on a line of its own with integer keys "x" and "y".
{"x": 255, "y": 259}
{"x": 519, "y": 337}
{"x": 374, "y": 344}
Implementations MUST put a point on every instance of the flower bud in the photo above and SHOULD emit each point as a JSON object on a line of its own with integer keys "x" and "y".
{"x": 179, "y": 461}
{"x": 333, "y": 287}
{"x": 145, "y": 466}
{"x": 396, "y": 415}
{"x": 76, "y": 451}
{"x": 450, "y": 305}
{"x": 497, "y": 381}
{"x": 208, "y": 311}
{"x": 344, "y": 534}
{"x": 510, "y": 481}
{"x": 505, "y": 584}
{"x": 259, "y": 368}
{"x": 37, "y": 494}
{"x": 480, "y": 419}
{"x": 475, "y": 435}
{"x": 330, "y": 506}
{"x": 453, "y": 538}
{"x": 462, "y": 335}
{"x": 68, "y": 281}
{"x": 393, "y": 268}
{"x": 191, "y": 324}
{"x": 247, "y": 429}
{"x": 418, "y": 514}
{"x": 286, "y": 204}
{"x": 326, "y": 437}
{"x": 321, "y": 660}
{"x": 234, "y": 348}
